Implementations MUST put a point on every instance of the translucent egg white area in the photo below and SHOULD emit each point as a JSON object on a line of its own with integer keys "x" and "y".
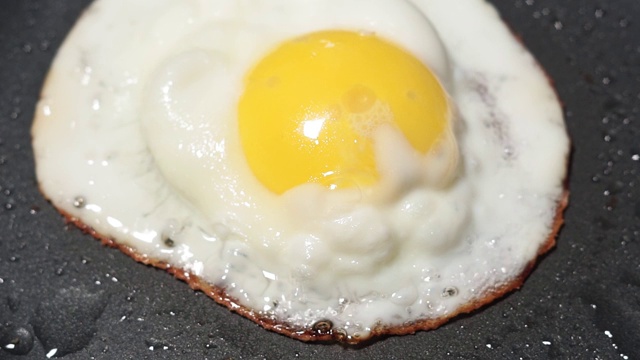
{"x": 135, "y": 136}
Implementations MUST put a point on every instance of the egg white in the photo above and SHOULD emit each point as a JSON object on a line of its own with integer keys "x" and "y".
{"x": 135, "y": 136}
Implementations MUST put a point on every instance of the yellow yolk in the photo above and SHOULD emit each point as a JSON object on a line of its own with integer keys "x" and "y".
{"x": 310, "y": 108}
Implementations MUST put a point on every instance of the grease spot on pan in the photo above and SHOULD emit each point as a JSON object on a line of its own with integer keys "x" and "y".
{"x": 67, "y": 322}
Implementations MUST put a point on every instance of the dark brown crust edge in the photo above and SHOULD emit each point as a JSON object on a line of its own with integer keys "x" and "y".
{"x": 221, "y": 297}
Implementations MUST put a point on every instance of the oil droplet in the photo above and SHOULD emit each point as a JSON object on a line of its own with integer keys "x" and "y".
{"x": 17, "y": 340}
{"x": 624, "y": 22}
{"x": 15, "y": 113}
{"x": 156, "y": 344}
{"x": 450, "y": 292}
{"x": 168, "y": 242}
{"x": 45, "y": 45}
{"x": 79, "y": 202}
{"x": 323, "y": 326}
{"x": 13, "y": 301}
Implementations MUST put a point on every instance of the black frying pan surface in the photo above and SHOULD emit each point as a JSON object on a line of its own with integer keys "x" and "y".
{"x": 60, "y": 289}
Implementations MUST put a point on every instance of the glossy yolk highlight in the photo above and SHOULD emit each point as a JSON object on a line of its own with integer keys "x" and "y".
{"x": 310, "y": 108}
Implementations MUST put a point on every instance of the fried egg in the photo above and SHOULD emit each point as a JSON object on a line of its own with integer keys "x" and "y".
{"x": 333, "y": 170}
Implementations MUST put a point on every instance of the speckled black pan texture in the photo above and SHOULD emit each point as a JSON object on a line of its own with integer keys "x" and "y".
{"x": 61, "y": 289}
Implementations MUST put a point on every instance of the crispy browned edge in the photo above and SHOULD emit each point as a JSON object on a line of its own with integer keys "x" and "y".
{"x": 221, "y": 297}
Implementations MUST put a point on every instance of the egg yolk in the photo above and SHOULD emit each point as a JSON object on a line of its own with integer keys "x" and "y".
{"x": 310, "y": 108}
